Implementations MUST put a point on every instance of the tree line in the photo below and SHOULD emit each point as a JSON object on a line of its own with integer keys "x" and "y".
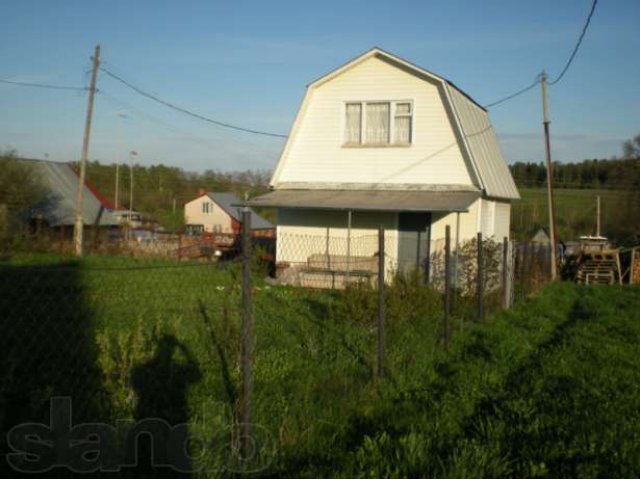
{"x": 160, "y": 191}
{"x": 616, "y": 174}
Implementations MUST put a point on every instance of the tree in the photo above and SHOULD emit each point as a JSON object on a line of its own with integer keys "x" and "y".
{"x": 21, "y": 189}
{"x": 631, "y": 148}
{"x": 625, "y": 225}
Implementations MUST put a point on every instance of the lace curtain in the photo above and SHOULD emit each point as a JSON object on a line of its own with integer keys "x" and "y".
{"x": 377, "y": 123}
{"x": 352, "y": 127}
{"x": 402, "y": 123}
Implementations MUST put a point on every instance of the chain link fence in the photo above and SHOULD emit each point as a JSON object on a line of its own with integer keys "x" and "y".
{"x": 145, "y": 334}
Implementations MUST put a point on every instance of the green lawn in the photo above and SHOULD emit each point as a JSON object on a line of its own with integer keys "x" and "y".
{"x": 549, "y": 388}
{"x": 575, "y": 211}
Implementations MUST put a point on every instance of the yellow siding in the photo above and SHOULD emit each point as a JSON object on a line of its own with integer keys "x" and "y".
{"x": 502, "y": 221}
{"x": 487, "y": 218}
{"x": 468, "y": 227}
{"x": 315, "y": 153}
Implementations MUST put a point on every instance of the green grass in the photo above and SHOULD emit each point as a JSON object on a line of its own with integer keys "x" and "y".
{"x": 547, "y": 389}
{"x": 575, "y": 211}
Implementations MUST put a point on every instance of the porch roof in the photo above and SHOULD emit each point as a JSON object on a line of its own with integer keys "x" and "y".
{"x": 368, "y": 200}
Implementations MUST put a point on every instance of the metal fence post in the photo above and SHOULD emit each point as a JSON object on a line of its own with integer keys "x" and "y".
{"x": 480, "y": 293}
{"x": 246, "y": 429}
{"x": 381, "y": 342}
{"x": 505, "y": 272}
{"x": 447, "y": 282}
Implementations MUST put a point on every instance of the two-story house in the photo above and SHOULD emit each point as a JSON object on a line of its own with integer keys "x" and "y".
{"x": 218, "y": 212}
{"x": 381, "y": 141}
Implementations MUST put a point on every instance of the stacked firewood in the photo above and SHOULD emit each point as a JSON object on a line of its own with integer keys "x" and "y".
{"x": 635, "y": 268}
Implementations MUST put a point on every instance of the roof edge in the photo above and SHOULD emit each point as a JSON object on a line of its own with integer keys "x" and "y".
{"x": 387, "y": 187}
{"x": 377, "y": 51}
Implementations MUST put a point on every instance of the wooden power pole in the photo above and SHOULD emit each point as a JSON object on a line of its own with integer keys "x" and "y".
{"x": 79, "y": 223}
{"x": 547, "y": 145}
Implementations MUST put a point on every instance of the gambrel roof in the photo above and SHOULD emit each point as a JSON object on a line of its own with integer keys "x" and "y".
{"x": 470, "y": 122}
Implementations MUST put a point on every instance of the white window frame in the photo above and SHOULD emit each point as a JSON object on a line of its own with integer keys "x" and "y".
{"x": 363, "y": 123}
{"x": 394, "y": 115}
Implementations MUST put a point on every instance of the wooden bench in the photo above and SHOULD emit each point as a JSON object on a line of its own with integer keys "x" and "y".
{"x": 335, "y": 271}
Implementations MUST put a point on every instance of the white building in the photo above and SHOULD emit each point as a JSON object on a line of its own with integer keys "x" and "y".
{"x": 218, "y": 212}
{"x": 382, "y": 141}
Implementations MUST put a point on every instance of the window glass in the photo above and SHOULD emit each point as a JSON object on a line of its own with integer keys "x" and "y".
{"x": 403, "y": 108}
{"x": 403, "y": 129}
{"x": 353, "y": 123}
{"x": 377, "y": 123}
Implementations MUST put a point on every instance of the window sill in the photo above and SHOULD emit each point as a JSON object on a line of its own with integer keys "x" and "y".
{"x": 373, "y": 145}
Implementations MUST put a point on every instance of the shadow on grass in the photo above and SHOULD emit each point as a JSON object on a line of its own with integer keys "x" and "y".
{"x": 47, "y": 349}
{"x": 161, "y": 385}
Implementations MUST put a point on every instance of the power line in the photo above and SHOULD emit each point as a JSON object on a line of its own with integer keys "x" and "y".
{"x": 513, "y": 95}
{"x": 204, "y": 141}
{"x": 564, "y": 70}
{"x": 43, "y": 85}
{"x": 577, "y": 47}
{"x": 188, "y": 112}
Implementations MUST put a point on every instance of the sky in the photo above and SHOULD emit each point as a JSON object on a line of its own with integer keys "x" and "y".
{"x": 248, "y": 62}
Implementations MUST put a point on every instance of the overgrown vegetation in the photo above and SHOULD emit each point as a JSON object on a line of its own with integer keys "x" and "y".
{"x": 547, "y": 389}
{"x": 21, "y": 191}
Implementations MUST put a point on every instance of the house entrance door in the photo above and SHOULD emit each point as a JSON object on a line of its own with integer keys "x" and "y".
{"x": 414, "y": 233}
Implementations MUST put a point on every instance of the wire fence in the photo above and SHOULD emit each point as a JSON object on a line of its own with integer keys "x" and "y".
{"x": 146, "y": 333}
{"x": 325, "y": 261}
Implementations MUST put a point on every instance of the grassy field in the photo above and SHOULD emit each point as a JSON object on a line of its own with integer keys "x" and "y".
{"x": 550, "y": 388}
{"x": 575, "y": 211}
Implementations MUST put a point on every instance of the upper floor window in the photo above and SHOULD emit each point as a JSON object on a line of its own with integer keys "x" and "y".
{"x": 378, "y": 123}
{"x": 207, "y": 207}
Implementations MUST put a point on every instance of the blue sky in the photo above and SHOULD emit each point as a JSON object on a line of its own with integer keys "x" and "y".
{"x": 247, "y": 63}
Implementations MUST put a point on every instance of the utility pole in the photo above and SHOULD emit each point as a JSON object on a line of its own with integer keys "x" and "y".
{"x": 119, "y": 154}
{"x": 132, "y": 154}
{"x": 173, "y": 216}
{"x": 79, "y": 223}
{"x": 598, "y": 215}
{"x": 552, "y": 215}
{"x": 117, "y": 193}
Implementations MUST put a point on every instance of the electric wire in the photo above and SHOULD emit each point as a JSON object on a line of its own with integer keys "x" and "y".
{"x": 188, "y": 112}
{"x": 577, "y": 47}
{"x": 564, "y": 70}
{"x": 43, "y": 85}
{"x": 207, "y": 142}
{"x": 514, "y": 95}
